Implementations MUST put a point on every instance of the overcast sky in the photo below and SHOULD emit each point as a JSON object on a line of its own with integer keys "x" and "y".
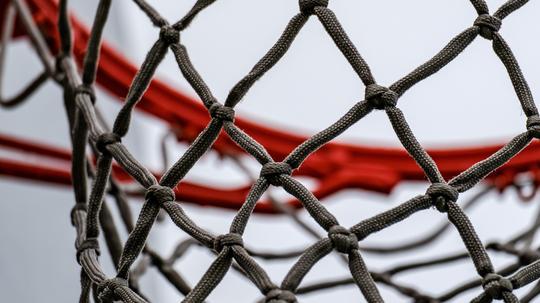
{"x": 470, "y": 102}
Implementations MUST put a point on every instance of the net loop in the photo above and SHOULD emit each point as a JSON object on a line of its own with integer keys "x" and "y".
{"x": 169, "y": 35}
{"x": 106, "y": 139}
{"x": 342, "y": 239}
{"x": 107, "y": 287}
{"x": 221, "y": 112}
{"x": 533, "y": 125}
{"x": 494, "y": 285}
{"x": 89, "y": 243}
{"x": 441, "y": 194}
{"x": 230, "y": 239}
{"x": 87, "y": 90}
{"x": 380, "y": 97}
{"x": 488, "y": 24}
{"x": 308, "y": 6}
{"x": 160, "y": 194}
{"x": 272, "y": 170}
{"x": 277, "y": 295}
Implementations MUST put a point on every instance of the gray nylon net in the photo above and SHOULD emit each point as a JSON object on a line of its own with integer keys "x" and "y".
{"x": 90, "y": 216}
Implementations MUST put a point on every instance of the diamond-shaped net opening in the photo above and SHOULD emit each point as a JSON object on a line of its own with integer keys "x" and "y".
{"x": 231, "y": 252}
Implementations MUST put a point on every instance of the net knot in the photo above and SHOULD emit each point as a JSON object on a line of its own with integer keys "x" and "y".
{"x": 89, "y": 243}
{"x": 169, "y": 35}
{"x": 487, "y": 24}
{"x": 87, "y": 90}
{"x": 494, "y": 285}
{"x": 533, "y": 125}
{"x": 277, "y": 295}
{"x": 380, "y": 97}
{"x": 160, "y": 194}
{"x": 224, "y": 113}
{"x": 343, "y": 240}
{"x": 441, "y": 193}
{"x": 308, "y": 6}
{"x": 107, "y": 287}
{"x": 230, "y": 239}
{"x": 273, "y": 170}
{"x": 106, "y": 139}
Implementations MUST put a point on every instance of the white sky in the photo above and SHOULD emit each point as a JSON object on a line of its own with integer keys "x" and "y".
{"x": 469, "y": 102}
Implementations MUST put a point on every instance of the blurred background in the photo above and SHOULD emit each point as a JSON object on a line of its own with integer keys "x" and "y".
{"x": 469, "y": 102}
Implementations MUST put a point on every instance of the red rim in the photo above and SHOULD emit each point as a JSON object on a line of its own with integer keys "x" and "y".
{"x": 336, "y": 166}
